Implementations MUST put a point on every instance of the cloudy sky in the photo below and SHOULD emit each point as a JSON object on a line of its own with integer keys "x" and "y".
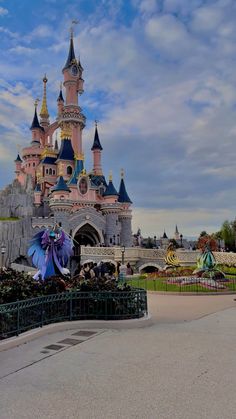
{"x": 160, "y": 76}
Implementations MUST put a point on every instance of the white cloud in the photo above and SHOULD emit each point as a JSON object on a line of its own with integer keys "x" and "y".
{"x": 3, "y": 12}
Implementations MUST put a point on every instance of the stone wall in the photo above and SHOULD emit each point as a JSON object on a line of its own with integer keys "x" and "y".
{"x": 16, "y": 201}
{"x": 15, "y": 235}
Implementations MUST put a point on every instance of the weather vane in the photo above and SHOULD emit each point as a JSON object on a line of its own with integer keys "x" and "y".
{"x": 73, "y": 22}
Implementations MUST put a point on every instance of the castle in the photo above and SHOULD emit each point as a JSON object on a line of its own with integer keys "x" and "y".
{"x": 52, "y": 184}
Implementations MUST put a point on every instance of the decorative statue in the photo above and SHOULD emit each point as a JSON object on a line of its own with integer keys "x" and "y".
{"x": 50, "y": 251}
{"x": 171, "y": 259}
{"x": 206, "y": 263}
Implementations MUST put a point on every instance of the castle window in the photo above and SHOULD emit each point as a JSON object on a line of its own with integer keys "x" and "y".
{"x": 83, "y": 186}
{"x": 110, "y": 240}
{"x": 69, "y": 170}
{"x": 50, "y": 171}
{"x": 29, "y": 164}
{"x": 33, "y": 164}
{"x": 46, "y": 171}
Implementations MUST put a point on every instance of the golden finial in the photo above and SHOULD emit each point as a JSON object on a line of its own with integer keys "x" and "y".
{"x": 122, "y": 173}
{"x": 66, "y": 132}
{"x": 110, "y": 176}
{"x": 44, "y": 109}
{"x": 96, "y": 122}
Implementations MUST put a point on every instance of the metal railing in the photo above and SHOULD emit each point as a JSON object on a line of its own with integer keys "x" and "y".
{"x": 21, "y": 316}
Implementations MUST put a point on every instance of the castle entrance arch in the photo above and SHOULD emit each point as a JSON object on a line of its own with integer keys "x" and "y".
{"x": 86, "y": 235}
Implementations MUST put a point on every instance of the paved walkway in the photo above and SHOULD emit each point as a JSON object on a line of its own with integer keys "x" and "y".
{"x": 182, "y": 365}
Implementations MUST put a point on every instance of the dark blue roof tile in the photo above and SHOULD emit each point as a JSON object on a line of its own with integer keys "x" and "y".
{"x": 66, "y": 151}
{"x": 123, "y": 196}
{"x": 60, "y": 185}
{"x": 96, "y": 141}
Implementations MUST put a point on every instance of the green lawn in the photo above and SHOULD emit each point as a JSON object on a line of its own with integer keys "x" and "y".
{"x": 9, "y": 218}
{"x": 161, "y": 284}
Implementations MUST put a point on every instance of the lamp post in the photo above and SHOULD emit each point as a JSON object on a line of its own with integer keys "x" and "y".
{"x": 155, "y": 241}
{"x": 123, "y": 255}
{"x": 3, "y": 251}
{"x": 181, "y": 240}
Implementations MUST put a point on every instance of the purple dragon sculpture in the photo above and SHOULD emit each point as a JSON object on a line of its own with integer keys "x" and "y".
{"x": 50, "y": 251}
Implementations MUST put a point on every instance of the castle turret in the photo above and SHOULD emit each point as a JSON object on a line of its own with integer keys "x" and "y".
{"x": 96, "y": 149}
{"x": 125, "y": 216}
{"x": 35, "y": 128}
{"x": 66, "y": 156}
{"x": 60, "y": 102}
{"x": 18, "y": 163}
{"x": 59, "y": 202}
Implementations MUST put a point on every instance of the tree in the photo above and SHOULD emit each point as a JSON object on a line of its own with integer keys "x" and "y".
{"x": 228, "y": 234}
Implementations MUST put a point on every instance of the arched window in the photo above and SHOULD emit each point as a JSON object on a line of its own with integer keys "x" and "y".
{"x": 50, "y": 171}
{"x": 46, "y": 171}
{"x": 33, "y": 164}
{"x": 69, "y": 170}
{"x": 54, "y": 172}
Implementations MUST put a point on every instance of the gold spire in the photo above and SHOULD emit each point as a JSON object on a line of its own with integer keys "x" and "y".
{"x": 110, "y": 176}
{"x": 44, "y": 109}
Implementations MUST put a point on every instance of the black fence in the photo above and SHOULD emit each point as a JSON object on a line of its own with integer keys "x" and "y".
{"x": 21, "y": 316}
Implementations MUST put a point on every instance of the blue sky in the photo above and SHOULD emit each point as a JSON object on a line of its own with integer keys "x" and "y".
{"x": 160, "y": 76}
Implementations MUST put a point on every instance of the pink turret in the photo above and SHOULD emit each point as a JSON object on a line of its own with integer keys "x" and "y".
{"x": 96, "y": 149}
{"x": 18, "y": 163}
{"x": 60, "y": 102}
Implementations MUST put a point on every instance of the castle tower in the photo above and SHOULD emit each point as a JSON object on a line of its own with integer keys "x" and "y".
{"x": 71, "y": 116}
{"x": 125, "y": 216}
{"x": 111, "y": 210}
{"x": 96, "y": 149}
{"x": 59, "y": 202}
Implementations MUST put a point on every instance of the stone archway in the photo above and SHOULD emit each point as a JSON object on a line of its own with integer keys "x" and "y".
{"x": 87, "y": 235}
{"x": 149, "y": 267}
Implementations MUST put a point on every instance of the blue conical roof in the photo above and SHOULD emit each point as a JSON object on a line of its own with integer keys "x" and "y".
{"x": 79, "y": 165}
{"x": 71, "y": 54}
{"x": 123, "y": 196}
{"x": 60, "y": 97}
{"x": 35, "y": 122}
{"x": 60, "y": 185}
{"x": 110, "y": 190}
{"x": 66, "y": 151}
{"x": 96, "y": 141}
{"x": 18, "y": 158}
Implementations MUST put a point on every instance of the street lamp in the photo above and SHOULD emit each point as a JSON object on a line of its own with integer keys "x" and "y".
{"x": 181, "y": 240}
{"x": 3, "y": 251}
{"x": 123, "y": 255}
{"x": 155, "y": 241}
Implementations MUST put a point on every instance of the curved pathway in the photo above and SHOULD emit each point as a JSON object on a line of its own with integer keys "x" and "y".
{"x": 181, "y": 365}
